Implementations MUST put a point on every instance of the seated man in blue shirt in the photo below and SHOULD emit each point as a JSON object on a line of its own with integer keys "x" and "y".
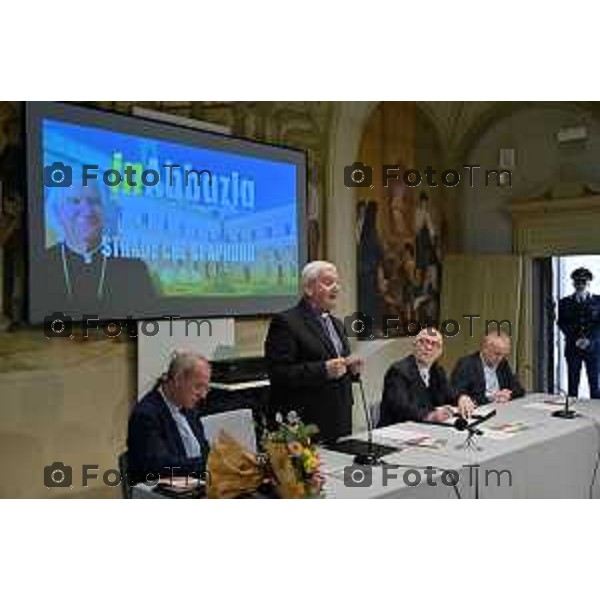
{"x": 486, "y": 375}
{"x": 165, "y": 434}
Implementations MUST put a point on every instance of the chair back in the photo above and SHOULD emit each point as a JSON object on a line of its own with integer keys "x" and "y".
{"x": 239, "y": 424}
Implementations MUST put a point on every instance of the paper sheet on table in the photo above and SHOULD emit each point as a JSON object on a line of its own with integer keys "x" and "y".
{"x": 504, "y": 431}
{"x": 407, "y": 437}
{"x": 549, "y": 404}
{"x": 483, "y": 409}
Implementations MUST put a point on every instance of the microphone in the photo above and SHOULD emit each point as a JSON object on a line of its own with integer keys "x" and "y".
{"x": 370, "y": 457}
{"x": 459, "y": 423}
{"x": 462, "y": 424}
{"x": 478, "y": 420}
{"x": 472, "y": 428}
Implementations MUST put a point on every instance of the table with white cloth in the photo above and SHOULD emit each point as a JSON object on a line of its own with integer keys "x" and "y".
{"x": 524, "y": 452}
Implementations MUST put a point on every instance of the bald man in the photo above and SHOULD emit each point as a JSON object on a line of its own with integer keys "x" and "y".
{"x": 416, "y": 388}
{"x": 486, "y": 375}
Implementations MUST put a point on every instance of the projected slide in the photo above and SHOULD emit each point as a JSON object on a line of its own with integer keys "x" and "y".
{"x": 133, "y": 218}
{"x": 203, "y": 221}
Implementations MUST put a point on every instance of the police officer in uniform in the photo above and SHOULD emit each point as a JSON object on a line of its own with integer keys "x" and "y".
{"x": 579, "y": 320}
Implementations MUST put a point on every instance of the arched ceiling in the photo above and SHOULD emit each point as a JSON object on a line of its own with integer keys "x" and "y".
{"x": 458, "y": 123}
{"x": 454, "y": 120}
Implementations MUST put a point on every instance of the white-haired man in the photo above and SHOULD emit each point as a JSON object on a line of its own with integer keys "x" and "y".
{"x": 309, "y": 359}
{"x": 416, "y": 388}
{"x": 165, "y": 435}
{"x": 77, "y": 275}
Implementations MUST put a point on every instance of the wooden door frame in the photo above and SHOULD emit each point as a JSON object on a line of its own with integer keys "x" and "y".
{"x": 545, "y": 227}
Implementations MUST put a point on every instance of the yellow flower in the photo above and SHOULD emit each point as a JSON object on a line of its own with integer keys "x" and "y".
{"x": 310, "y": 461}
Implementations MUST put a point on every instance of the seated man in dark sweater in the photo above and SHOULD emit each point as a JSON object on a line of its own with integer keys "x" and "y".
{"x": 486, "y": 375}
{"x": 416, "y": 387}
{"x": 165, "y": 434}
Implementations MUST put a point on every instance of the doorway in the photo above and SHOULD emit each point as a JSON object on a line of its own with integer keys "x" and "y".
{"x": 562, "y": 267}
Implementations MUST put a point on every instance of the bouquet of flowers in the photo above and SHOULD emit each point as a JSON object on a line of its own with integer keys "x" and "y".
{"x": 233, "y": 470}
{"x": 293, "y": 459}
{"x": 289, "y": 464}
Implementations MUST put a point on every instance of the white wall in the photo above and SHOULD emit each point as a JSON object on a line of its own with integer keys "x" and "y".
{"x": 531, "y": 130}
{"x": 203, "y": 336}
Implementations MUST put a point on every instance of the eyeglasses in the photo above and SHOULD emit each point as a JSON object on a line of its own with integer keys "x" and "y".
{"x": 429, "y": 343}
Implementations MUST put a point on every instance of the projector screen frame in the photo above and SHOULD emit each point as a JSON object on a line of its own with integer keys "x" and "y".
{"x": 185, "y": 307}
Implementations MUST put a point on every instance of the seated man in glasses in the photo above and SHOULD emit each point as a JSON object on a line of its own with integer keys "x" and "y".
{"x": 416, "y": 388}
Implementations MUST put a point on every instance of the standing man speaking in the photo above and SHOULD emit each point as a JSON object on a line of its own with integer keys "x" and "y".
{"x": 308, "y": 356}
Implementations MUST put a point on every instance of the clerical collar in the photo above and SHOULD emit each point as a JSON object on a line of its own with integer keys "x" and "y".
{"x": 86, "y": 255}
{"x": 67, "y": 273}
{"x": 317, "y": 310}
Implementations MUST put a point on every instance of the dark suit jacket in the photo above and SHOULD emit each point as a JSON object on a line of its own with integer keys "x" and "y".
{"x": 580, "y": 319}
{"x": 405, "y": 396}
{"x": 296, "y": 349}
{"x": 154, "y": 444}
{"x": 128, "y": 286}
{"x": 468, "y": 378}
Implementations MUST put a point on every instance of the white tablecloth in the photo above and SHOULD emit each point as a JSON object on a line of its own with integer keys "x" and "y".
{"x": 541, "y": 457}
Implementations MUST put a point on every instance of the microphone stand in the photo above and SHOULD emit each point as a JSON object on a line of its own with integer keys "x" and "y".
{"x": 368, "y": 458}
{"x": 471, "y": 441}
{"x": 566, "y": 412}
{"x": 473, "y": 429}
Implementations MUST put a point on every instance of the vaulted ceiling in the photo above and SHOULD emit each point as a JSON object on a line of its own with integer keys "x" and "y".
{"x": 458, "y": 123}
{"x": 455, "y": 120}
